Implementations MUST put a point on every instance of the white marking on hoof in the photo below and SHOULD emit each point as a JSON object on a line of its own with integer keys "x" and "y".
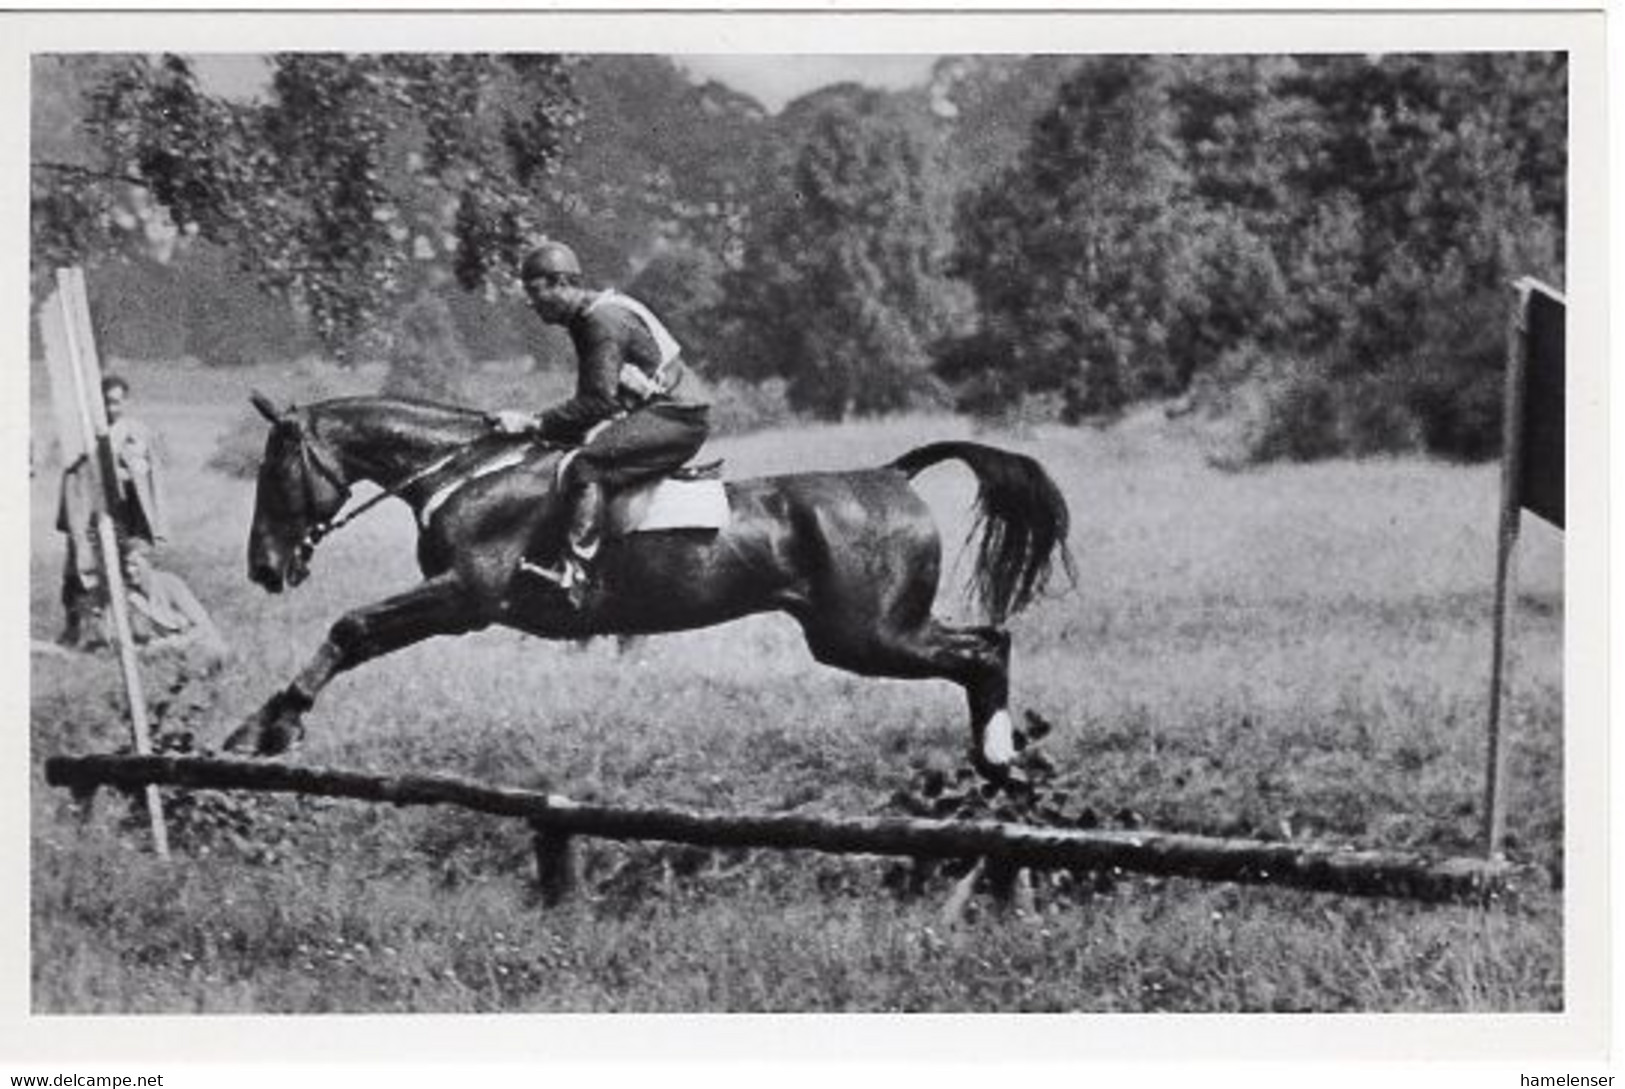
{"x": 998, "y": 740}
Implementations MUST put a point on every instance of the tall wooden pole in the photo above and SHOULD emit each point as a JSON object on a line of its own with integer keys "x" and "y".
{"x": 70, "y": 328}
{"x": 1511, "y": 507}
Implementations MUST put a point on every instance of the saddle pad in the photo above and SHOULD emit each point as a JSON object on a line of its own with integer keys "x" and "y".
{"x": 668, "y": 504}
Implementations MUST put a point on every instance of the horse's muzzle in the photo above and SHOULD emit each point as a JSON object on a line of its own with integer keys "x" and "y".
{"x": 265, "y": 575}
{"x": 275, "y": 567}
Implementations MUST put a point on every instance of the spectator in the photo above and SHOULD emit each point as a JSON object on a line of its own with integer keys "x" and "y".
{"x": 139, "y": 515}
{"x": 165, "y": 613}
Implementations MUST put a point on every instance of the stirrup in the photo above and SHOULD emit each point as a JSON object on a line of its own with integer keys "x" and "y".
{"x": 566, "y": 573}
{"x": 563, "y": 573}
{"x": 706, "y": 470}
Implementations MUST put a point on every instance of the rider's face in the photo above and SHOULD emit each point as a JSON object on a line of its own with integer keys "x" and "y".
{"x": 550, "y": 297}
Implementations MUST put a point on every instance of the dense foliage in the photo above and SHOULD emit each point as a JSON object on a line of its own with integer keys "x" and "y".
{"x": 841, "y": 289}
{"x": 1334, "y": 235}
{"x": 338, "y": 189}
{"x": 1315, "y": 249}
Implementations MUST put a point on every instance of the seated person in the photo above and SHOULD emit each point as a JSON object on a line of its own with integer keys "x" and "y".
{"x": 165, "y": 613}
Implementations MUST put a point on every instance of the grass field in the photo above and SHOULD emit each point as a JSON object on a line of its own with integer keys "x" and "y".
{"x": 1295, "y": 652}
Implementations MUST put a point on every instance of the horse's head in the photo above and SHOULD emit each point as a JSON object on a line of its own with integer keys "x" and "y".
{"x": 301, "y": 487}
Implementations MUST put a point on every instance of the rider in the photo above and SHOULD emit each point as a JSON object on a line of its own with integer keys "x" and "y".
{"x": 626, "y": 420}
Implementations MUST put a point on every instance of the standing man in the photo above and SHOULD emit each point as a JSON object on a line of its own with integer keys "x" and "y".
{"x": 627, "y": 421}
{"x": 139, "y": 515}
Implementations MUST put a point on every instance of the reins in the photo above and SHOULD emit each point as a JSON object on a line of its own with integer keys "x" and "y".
{"x": 317, "y": 532}
{"x": 310, "y": 456}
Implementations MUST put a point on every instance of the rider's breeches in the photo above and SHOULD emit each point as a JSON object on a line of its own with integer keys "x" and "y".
{"x": 648, "y": 443}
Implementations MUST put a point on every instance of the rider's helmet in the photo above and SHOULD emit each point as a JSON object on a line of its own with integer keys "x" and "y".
{"x": 550, "y": 261}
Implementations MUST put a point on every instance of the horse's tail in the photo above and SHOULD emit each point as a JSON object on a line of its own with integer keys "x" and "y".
{"x": 1021, "y": 518}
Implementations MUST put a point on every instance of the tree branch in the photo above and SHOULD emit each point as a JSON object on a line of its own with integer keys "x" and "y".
{"x": 90, "y": 172}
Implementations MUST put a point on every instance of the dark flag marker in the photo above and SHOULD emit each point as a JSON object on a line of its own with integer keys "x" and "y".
{"x": 1540, "y": 454}
{"x": 1532, "y": 479}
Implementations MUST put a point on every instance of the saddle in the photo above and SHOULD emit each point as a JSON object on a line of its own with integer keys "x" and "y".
{"x": 691, "y": 497}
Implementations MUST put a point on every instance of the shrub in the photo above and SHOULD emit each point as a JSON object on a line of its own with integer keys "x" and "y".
{"x": 1375, "y": 419}
{"x": 980, "y": 369}
{"x": 1460, "y": 417}
{"x": 1264, "y": 408}
{"x": 739, "y": 407}
{"x": 1292, "y": 417}
{"x": 237, "y": 452}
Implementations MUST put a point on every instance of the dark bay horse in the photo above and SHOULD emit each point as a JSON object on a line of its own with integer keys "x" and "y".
{"x": 853, "y": 556}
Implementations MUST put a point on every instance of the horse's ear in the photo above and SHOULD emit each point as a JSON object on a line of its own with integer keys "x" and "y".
{"x": 265, "y": 407}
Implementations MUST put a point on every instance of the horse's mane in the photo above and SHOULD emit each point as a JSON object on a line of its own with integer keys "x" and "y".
{"x": 380, "y": 418}
{"x": 430, "y": 411}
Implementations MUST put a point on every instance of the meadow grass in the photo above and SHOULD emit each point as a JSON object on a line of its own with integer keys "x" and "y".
{"x": 1297, "y": 652}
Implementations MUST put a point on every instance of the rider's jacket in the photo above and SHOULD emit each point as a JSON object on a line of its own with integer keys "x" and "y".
{"x": 626, "y": 359}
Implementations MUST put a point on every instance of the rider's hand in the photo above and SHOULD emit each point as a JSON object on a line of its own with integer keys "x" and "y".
{"x": 511, "y": 421}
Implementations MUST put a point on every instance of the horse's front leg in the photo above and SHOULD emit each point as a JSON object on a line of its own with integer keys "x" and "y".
{"x": 440, "y": 606}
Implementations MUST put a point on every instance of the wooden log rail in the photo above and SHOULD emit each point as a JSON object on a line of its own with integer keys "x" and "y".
{"x": 556, "y": 819}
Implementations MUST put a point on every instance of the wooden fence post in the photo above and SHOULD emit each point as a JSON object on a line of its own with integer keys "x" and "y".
{"x": 555, "y": 864}
{"x": 1495, "y": 760}
{"x": 1533, "y": 460}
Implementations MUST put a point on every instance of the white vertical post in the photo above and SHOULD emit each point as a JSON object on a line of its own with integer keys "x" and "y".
{"x": 66, "y": 329}
{"x": 1495, "y": 771}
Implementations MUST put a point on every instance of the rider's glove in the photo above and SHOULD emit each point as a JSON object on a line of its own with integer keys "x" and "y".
{"x": 512, "y": 422}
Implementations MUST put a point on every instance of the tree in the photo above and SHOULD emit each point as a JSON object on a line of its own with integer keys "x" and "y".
{"x": 1337, "y": 231}
{"x": 1079, "y": 253}
{"x": 1445, "y": 195}
{"x": 842, "y": 289}
{"x": 338, "y": 189}
{"x": 427, "y": 359}
{"x": 660, "y": 161}
{"x": 682, "y": 282}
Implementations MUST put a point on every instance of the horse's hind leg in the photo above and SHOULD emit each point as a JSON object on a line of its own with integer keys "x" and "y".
{"x": 975, "y": 658}
{"x": 988, "y": 692}
{"x": 440, "y": 606}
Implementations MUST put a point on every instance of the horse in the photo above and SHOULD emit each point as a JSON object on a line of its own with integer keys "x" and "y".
{"x": 853, "y": 556}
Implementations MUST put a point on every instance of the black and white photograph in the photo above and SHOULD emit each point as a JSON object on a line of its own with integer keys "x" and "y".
{"x": 557, "y": 518}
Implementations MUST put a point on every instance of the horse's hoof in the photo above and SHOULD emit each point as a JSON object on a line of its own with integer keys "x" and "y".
{"x": 1017, "y": 783}
{"x": 259, "y": 737}
{"x": 243, "y": 739}
{"x": 988, "y": 771}
{"x": 278, "y": 737}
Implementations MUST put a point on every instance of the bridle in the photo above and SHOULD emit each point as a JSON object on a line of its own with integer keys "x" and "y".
{"x": 316, "y": 461}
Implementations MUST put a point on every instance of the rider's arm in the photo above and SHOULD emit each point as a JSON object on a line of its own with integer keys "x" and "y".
{"x": 598, "y": 349}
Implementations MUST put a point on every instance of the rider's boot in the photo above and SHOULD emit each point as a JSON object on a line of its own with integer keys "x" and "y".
{"x": 582, "y": 538}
